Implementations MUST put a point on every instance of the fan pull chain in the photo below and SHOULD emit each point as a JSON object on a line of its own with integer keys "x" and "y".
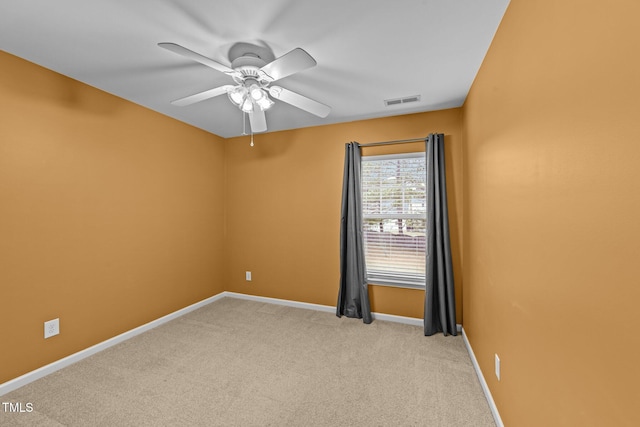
{"x": 244, "y": 123}
{"x": 244, "y": 127}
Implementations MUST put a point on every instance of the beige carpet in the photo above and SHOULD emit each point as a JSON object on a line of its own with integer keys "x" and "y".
{"x": 244, "y": 363}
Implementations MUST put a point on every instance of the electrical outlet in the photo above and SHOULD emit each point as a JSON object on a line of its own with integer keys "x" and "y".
{"x": 498, "y": 367}
{"x": 247, "y": 275}
{"x": 51, "y": 328}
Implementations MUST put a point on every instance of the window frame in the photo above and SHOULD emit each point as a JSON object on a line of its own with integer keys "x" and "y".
{"x": 390, "y": 278}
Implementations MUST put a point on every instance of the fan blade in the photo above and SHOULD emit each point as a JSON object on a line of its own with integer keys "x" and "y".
{"x": 183, "y": 51}
{"x": 289, "y": 63}
{"x": 258, "y": 121}
{"x": 192, "y": 99}
{"x": 302, "y": 102}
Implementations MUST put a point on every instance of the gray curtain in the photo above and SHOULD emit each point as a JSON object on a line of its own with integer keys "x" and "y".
{"x": 353, "y": 297}
{"x": 440, "y": 301}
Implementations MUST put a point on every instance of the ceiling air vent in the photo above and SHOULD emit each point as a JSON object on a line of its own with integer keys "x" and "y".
{"x": 398, "y": 101}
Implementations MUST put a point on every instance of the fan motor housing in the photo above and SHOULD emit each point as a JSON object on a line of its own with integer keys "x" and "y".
{"x": 248, "y": 65}
{"x": 241, "y": 49}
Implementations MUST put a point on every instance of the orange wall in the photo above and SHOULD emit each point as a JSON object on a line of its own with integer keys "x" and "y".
{"x": 283, "y": 208}
{"x": 552, "y": 208}
{"x": 111, "y": 215}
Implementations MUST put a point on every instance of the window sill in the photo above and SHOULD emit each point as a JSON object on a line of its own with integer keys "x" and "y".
{"x": 420, "y": 287}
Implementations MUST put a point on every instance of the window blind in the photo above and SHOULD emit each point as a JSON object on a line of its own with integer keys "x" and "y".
{"x": 394, "y": 219}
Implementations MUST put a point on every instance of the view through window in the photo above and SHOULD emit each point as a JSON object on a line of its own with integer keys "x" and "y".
{"x": 394, "y": 218}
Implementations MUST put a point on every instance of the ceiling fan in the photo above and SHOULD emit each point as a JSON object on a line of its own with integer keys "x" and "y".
{"x": 253, "y": 69}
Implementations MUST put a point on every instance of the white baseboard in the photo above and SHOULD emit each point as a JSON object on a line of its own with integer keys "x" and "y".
{"x": 327, "y": 308}
{"x": 288, "y": 303}
{"x": 483, "y": 383}
{"x": 414, "y": 321}
{"x": 25, "y": 379}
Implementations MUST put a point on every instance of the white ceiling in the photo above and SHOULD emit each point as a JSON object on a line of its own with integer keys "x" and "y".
{"x": 367, "y": 51}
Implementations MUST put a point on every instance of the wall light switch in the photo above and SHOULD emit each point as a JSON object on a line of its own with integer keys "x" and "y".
{"x": 498, "y": 367}
{"x": 248, "y": 276}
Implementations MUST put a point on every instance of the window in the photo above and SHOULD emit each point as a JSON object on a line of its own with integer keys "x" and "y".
{"x": 394, "y": 219}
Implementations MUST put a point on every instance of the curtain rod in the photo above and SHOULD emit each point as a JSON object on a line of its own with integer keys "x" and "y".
{"x": 399, "y": 141}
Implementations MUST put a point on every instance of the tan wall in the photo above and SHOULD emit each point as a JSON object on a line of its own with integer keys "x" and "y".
{"x": 110, "y": 215}
{"x": 113, "y": 215}
{"x": 552, "y": 208}
{"x": 283, "y": 208}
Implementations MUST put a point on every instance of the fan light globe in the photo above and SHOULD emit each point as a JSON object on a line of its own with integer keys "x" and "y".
{"x": 264, "y": 103}
{"x": 247, "y": 105}
{"x": 237, "y": 95}
{"x": 248, "y": 99}
{"x": 256, "y": 92}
